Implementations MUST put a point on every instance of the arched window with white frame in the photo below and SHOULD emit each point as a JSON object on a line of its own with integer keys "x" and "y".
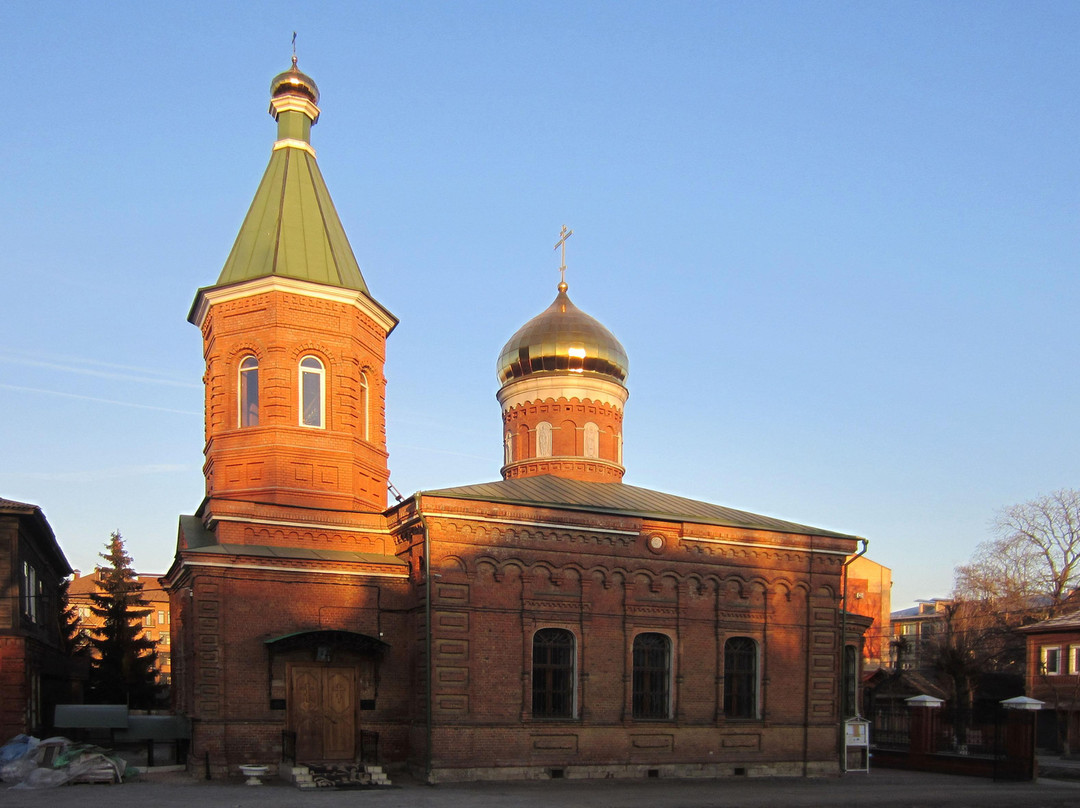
{"x": 543, "y": 439}
{"x": 365, "y": 407}
{"x": 312, "y": 392}
{"x": 508, "y": 448}
{"x": 248, "y": 400}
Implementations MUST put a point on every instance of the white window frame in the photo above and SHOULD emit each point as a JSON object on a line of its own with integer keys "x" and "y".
{"x": 320, "y": 374}
{"x": 1074, "y": 659}
{"x": 365, "y": 407}
{"x": 1044, "y": 654}
{"x": 508, "y": 448}
{"x": 245, "y": 372}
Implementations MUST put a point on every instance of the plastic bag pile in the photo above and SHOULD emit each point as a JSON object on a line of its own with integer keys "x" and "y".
{"x": 26, "y": 762}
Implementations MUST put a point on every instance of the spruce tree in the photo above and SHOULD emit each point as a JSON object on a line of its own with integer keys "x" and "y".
{"x": 123, "y": 669}
{"x": 73, "y": 640}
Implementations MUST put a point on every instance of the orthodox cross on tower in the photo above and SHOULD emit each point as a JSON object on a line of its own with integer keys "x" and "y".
{"x": 564, "y": 234}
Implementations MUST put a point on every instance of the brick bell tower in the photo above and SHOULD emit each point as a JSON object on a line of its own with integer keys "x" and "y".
{"x": 294, "y": 345}
{"x": 562, "y": 392}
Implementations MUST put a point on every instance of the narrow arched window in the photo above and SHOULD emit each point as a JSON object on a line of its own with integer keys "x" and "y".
{"x": 652, "y": 676}
{"x": 365, "y": 411}
{"x": 312, "y": 392}
{"x": 592, "y": 440}
{"x": 740, "y": 678}
{"x": 849, "y": 702}
{"x": 618, "y": 446}
{"x": 553, "y": 673}
{"x": 508, "y": 448}
{"x": 522, "y": 442}
{"x": 543, "y": 439}
{"x": 249, "y": 391}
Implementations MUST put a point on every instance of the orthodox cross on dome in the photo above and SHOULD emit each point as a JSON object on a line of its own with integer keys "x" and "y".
{"x": 294, "y": 47}
{"x": 564, "y": 234}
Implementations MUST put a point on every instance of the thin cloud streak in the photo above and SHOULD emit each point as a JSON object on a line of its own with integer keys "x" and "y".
{"x": 143, "y": 375}
{"x": 98, "y": 400}
{"x": 95, "y": 475}
{"x": 433, "y": 450}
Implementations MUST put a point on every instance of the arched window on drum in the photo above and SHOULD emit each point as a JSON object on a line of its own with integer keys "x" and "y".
{"x": 249, "y": 391}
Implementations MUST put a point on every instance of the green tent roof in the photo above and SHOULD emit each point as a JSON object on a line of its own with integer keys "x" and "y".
{"x": 292, "y": 229}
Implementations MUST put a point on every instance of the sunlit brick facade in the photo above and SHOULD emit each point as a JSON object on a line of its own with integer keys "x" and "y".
{"x": 552, "y": 623}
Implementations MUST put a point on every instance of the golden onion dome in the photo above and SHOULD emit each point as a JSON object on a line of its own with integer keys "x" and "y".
{"x": 293, "y": 81}
{"x": 563, "y": 339}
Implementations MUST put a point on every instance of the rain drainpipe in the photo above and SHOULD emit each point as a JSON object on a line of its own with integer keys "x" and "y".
{"x": 843, "y": 651}
{"x": 427, "y": 638}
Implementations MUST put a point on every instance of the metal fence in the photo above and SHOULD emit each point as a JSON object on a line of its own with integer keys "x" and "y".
{"x": 976, "y": 736}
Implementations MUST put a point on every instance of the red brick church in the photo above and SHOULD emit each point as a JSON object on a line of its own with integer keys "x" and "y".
{"x": 556, "y": 622}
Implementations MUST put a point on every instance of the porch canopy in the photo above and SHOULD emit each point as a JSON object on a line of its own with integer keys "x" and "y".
{"x": 335, "y": 638}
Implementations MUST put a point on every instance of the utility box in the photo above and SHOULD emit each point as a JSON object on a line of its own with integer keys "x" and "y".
{"x": 856, "y": 745}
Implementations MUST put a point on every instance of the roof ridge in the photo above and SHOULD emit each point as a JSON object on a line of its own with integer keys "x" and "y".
{"x": 620, "y": 498}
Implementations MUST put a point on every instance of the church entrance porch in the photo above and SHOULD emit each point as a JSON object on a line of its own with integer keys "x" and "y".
{"x": 322, "y": 680}
{"x": 322, "y": 712}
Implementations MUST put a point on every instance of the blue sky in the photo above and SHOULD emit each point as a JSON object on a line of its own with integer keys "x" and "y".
{"x": 838, "y": 240}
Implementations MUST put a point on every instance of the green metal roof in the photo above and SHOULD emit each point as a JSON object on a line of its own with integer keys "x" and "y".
{"x": 201, "y": 540}
{"x": 292, "y": 229}
{"x": 619, "y": 499}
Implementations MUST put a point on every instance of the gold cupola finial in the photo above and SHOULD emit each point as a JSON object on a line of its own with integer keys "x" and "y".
{"x": 294, "y": 91}
{"x": 564, "y": 234}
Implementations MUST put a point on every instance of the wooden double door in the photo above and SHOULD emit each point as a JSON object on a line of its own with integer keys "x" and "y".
{"x": 322, "y": 712}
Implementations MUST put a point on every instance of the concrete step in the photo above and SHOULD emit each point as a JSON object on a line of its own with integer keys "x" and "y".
{"x": 370, "y": 774}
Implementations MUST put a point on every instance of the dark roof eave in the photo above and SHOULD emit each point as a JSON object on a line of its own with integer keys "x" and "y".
{"x": 42, "y": 527}
{"x": 284, "y": 554}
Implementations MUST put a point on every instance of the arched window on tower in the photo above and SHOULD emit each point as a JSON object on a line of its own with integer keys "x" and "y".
{"x": 249, "y": 391}
{"x": 365, "y": 411}
{"x": 312, "y": 392}
{"x": 618, "y": 448}
{"x": 592, "y": 440}
{"x": 543, "y": 439}
{"x": 508, "y": 448}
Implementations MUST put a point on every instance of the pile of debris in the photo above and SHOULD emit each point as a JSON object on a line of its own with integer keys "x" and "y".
{"x": 26, "y": 762}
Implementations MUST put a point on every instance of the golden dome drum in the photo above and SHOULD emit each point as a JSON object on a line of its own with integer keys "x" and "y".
{"x": 563, "y": 339}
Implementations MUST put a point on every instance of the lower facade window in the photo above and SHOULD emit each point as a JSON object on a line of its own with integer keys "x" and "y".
{"x": 553, "y": 673}
{"x": 740, "y": 678}
{"x": 652, "y": 676}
